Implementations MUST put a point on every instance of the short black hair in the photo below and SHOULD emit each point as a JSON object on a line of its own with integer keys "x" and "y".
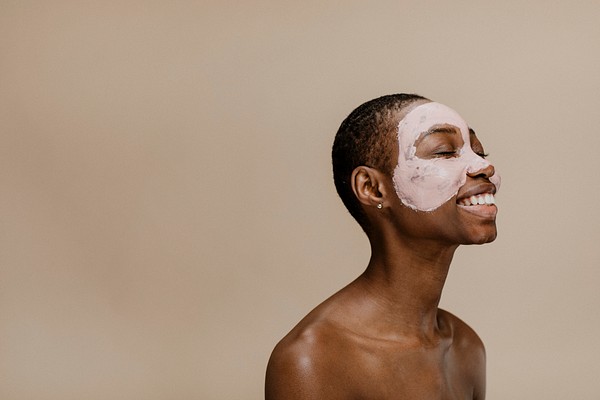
{"x": 365, "y": 138}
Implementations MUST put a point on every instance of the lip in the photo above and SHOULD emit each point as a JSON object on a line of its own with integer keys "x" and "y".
{"x": 486, "y": 211}
{"x": 480, "y": 188}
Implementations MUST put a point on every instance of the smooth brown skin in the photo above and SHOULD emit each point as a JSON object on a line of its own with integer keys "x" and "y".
{"x": 383, "y": 336}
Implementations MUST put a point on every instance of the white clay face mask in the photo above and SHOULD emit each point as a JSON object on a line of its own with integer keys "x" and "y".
{"x": 426, "y": 184}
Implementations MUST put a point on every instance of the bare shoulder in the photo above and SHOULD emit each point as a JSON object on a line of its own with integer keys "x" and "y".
{"x": 303, "y": 364}
{"x": 468, "y": 350}
{"x": 464, "y": 337}
{"x": 306, "y": 363}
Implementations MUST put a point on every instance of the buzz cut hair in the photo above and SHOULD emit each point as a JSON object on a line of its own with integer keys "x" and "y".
{"x": 365, "y": 138}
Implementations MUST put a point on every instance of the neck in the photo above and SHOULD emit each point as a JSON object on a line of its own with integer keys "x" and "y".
{"x": 406, "y": 280}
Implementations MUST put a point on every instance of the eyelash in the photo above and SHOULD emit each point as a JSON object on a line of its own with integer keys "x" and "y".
{"x": 446, "y": 153}
{"x": 454, "y": 153}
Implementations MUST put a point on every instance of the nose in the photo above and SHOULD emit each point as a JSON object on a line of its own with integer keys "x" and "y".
{"x": 484, "y": 172}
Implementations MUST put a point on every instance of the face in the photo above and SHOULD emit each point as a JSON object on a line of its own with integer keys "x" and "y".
{"x": 437, "y": 151}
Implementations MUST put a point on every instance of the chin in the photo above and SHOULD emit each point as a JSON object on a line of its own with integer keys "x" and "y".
{"x": 484, "y": 238}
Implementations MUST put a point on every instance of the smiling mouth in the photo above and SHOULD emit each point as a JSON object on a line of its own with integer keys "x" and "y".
{"x": 478, "y": 199}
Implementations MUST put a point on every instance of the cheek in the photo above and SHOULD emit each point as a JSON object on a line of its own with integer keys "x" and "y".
{"x": 425, "y": 185}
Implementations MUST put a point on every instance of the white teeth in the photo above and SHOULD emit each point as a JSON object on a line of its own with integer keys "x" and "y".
{"x": 487, "y": 198}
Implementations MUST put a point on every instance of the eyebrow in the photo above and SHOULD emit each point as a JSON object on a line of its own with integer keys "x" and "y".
{"x": 444, "y": 128}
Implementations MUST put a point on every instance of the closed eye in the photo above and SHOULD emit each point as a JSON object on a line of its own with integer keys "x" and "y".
{"x": 446, "y": 154}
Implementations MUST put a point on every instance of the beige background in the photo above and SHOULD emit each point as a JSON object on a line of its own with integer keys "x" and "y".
{"x": 166, "y": 204}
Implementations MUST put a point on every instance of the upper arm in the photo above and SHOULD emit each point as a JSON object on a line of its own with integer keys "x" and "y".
{"x": 300, "y": 371}
{"x": 285, "y": 379}
{"x": 479, "y": 373}
{"x": 471, "y": 356}
{"x": 476, "y": 362}
{"x": 289, "y": 376}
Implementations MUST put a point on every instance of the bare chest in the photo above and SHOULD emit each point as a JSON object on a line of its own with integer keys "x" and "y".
{"x": 411, "y": 374}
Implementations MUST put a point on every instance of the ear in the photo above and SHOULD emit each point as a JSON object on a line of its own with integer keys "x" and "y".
{"x": 367, "y": 185}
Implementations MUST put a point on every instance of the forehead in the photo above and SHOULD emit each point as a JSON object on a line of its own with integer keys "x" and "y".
{"x": 425, "y": 116}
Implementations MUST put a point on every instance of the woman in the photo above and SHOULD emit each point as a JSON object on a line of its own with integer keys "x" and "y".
{"x": 414, "y": 176}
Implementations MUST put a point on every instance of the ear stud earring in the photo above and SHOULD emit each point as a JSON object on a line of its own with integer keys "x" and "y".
{"x": 380, "y": 206}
